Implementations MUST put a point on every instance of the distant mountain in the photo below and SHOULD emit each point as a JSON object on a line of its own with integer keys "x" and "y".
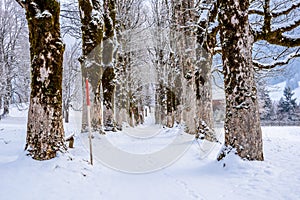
{"x": 289, "y": 74}
{"x": 276, "y": 91}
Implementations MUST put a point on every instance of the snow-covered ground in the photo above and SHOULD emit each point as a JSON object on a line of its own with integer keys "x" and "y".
{"x": 195, "y": 175}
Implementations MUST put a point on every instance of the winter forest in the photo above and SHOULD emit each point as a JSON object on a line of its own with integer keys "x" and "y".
{"x": 200, "y": 98}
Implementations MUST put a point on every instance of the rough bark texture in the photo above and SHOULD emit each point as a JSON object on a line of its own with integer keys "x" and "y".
{"x": 45, "y": 133}
{"x": 183, "y": 17}
{"x": 242, "y": 125}
{"x": 109, "y": 64}
{"x": 203, "y": 78}
{"x": 91, "y": 60}
{"x": 204, "y": 119}
{"x": 188, "y": 63}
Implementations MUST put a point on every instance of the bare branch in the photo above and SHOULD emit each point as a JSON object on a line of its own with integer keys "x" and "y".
{"x": 289, "y": 27}
{"x": 256, "y": 11}
{"x": 261, "y": 66}
{"x": 279, "y": 38}
{"x": 287, "y": 10}
{"x": 217, "y": 50}
{"x": 21, "y": 3}
{"x": 277, "y": 13}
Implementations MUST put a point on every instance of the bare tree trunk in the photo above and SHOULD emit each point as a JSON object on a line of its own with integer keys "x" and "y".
{"x": 203, "y": 79}
{"x": 67, "y": 112}
{"x": 114, "y": 109}
{"x": 185, "y": 39}
{"x": 91, "y": 60}
{"x": 45, "y": 133}
{"x": 7, "y": 96}
{"x": 109, "y": 63}
{"x": 242, "y": 125}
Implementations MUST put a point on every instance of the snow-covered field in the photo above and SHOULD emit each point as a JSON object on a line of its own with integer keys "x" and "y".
{"x": 196, "y": 175}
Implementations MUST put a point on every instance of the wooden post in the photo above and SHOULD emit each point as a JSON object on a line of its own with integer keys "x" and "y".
{"x": 88, "y": 103}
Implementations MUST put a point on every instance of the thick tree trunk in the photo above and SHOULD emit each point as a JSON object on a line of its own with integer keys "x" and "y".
{"x": 204, "y": 119}
{"x": 109, "y": 64}
{"x": 242, "y": 125}
{"x": 161, "y": 90}
{"x": 185, "y": 45}
{"x": 91, "y": 60}
{"x": 45, "y": 133}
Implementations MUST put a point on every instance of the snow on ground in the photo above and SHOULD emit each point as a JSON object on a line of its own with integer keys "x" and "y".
{"x": 196, "y": 175}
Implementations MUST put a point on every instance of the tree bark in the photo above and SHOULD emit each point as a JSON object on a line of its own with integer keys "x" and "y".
{"x": 242, "y": 125}
{"x": 205, "y": 120}
{"x": 91, "y": 61}
{"x": 109, "y": 63}
{"x": 203, "y": 78}
{"x": 45, "y": 133}
{"x": 185, "y": 45}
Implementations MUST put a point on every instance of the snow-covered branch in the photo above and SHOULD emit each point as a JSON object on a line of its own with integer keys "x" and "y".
{"x": 21, "y": 2}
{"x": 286, "y": 10}
{"x": 275, "y": 13}
{"x": 287, "y": 26}
{"x": 218, "y": 50}
{"x": 260, "y": 66}
{"x": 256, "y": 11}
{"x": 275, "y": 34}
{"x": 278, "y": 38}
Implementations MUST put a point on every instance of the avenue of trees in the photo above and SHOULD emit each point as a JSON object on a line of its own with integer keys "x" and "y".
{"x": 159, "y": 54}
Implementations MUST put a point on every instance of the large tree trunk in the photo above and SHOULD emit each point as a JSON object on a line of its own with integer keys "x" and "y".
{"x": 109, "y": 64}
{"x": 91, "y": 60}
{"x": 185, "y": 45}
{"x": 242, "y": 125}
{"x": 204, "y": 119}
{"x": 45, "y": 133}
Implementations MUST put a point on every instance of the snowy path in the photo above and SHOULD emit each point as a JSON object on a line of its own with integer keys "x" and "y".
{"x": 69, "y": 176}
{"x": 142, "y": 149}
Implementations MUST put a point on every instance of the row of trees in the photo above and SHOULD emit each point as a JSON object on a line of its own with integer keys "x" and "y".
{"x": 186, "y": 35}
{"x": 242, "y": 33}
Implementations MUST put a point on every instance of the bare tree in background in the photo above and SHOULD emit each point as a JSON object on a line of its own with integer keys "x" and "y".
{"x": 70, "y": 19}
{"x": 129, "y": 23}
{"x": 14, "y": 56}
{"x": 71, "y": 80}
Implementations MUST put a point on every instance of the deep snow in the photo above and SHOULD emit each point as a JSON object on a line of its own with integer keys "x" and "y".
{"x": 196, "y": 175}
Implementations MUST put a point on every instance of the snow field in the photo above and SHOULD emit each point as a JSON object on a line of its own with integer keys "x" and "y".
{"x": 192, "y": 176}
